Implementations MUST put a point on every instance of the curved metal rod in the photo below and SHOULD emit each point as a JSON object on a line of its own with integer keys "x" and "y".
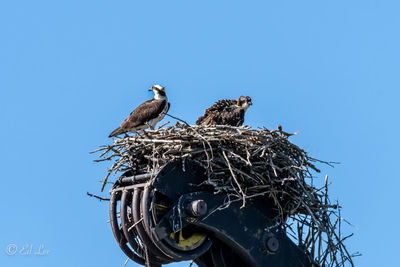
{"x": 146, "y": 219}
{"x": 117, "y": 232}
{"x": 125, "y": 224}
{"x": 146, "y": 213}
{"x": 154, "y": 251}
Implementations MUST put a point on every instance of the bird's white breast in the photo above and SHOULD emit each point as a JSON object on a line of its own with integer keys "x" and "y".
{"x": 153, "y": 122}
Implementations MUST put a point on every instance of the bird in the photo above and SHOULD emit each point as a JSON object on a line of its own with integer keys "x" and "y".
{"x": 226, "y": 112}
{"x": 147, "y": 114}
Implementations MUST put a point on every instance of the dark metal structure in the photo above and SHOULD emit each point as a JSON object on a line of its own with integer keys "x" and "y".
{"x": 175, "y": 216}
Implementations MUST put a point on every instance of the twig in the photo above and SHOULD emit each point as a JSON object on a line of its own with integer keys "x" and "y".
{"x": 187, "y": 124}
{"x": 98, "y": 197}
{"x": 235, "y": 179}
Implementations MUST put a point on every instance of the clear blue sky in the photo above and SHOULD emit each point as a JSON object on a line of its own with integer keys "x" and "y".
{"x": 70, "y": 71}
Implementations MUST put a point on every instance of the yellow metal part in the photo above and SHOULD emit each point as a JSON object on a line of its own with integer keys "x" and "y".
{"x": 188, "y": 243}
{"x": 192, "y": 242}
{"x": 161, "y": 207}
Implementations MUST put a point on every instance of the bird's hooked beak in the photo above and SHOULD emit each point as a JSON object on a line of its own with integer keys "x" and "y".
{"x": 151, "y": 89}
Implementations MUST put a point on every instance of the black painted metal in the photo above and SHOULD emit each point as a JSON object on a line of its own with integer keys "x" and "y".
{"x": 246, "y": 235}
{"x": 180, "y": 177}
{"x": 125, "y": 224}
{"x": 154, "y": 251}
{"x": 136, "y": 178}
{"x": 179, "y": 255}
{"x": 121, "y": 240}
{"x": 217, "y": 256}
{"x": 129, "y": 235}
{"x": 236, "y": 236}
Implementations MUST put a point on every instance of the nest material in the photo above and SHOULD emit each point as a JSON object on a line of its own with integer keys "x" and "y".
{"x": 245, "y": 163}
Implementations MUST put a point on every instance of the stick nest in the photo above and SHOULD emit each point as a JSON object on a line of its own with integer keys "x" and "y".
{"x": 245, "y": 163}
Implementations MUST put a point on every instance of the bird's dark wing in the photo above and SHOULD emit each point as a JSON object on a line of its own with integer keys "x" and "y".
{"x": 212, "y": 114}
{"x": 221, "y": 105}
{"x": 145, "y": 112}
{"x": 233, "y": 117}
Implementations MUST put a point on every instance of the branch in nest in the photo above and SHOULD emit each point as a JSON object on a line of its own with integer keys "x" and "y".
{"x": 98, "y": 197}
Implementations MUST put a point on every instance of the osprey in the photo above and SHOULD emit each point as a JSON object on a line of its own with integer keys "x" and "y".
{"x": 226, "y": 112}
{"x": 147, "y": 115}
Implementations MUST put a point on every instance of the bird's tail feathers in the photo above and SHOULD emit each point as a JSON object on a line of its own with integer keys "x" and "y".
{"x": 116, "y": 132}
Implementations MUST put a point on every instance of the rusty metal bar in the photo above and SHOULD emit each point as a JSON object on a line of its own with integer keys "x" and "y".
{"x": 122, "y": 242}
{"x": 137, "y": 178}
{"x": 129, "y": 187}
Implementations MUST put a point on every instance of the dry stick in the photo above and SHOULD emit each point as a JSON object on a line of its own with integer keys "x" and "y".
{"x": 97, "y": 150}
{"x": 162, "y": 125}
{"x": 105, "y": 179}
{"x": 235, "y": 179}
{"x": 127, "y": 259}
{"x": 319, "y": 245}
{"x": 307, "y": 237}
{"x": 208, "y": 143}
{"x": 238, "y": 156}
{"x": 348, "y": 254}
{"x": 178, "y": 119}
{"x": 136, "y": 223}
{"x": 299, "y": 233}
{"x": 98, "y": 197}
{"x": 105, "y": 152}
{"x": 160, "y": 141}
{"x": 312, "y": 243}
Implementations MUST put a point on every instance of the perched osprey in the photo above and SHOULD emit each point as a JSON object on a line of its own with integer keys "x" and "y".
{"x": 226, "y": 112}
{"x": 147, "y": 115}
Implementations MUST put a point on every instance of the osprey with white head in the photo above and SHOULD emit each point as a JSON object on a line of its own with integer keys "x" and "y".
{"x": 146, "y": 115}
